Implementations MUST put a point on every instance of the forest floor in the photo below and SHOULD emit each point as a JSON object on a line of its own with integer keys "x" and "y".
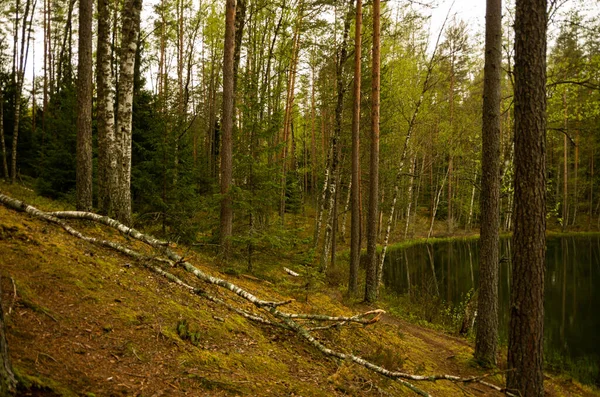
{"x": 83, "y": 320}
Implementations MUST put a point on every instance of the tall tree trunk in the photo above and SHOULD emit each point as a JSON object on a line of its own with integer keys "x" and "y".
{"x": 20, "y": 76}
{"x": 410, "y": 195}
{"x": 473, "y": 191}
{"x": 335, "y": 141}
{"x": 565, "y": 203}
{"x": 129, "y": 43}
{"x": 591, "y": 206}
{"x": 313, "y": 145}
{"x": 107, "y": 159}
{"x": 227, "y": 141}
{"x": 289, "y": 109}
{"x": 486, "y": 341}
{"x": 436, "y": 204}
{"x": 525, "y": 339}
{"x": 8, "y": 383}
{"x": 576, "y": 176}
{"x": 371, "y": 276}
{"x": 2, "y": 141}
{"x": 355, "y": 184}
{"x": 84, "y": 111}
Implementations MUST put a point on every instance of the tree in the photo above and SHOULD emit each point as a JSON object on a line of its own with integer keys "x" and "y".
{"x": 486, "y": 341}
{"x": 8, "y": 383}
{"x": 84, "y": 105}
{"x": 355, "y": 225}
{"x": 372, "y": 221}
{"x": 107, "y": 161}
{"x": 525, "y": 340}
{"x": 227, "y": 141}
{"x": 129, "y": 44}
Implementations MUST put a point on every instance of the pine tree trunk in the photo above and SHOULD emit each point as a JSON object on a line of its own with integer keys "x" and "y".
{"x": 371, "y": 276}
{"x": 84, "y": 105}
{"x": 227, "y": 141}
{"x": 355, "y": 183}
{"x": 486, "y": 341}
{"x": 123, "y": 137}
{"x": 107, "y": 161}
{"x": 525, "y": 340}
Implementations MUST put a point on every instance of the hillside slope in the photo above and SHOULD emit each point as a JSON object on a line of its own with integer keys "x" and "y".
{"x": 84, "y": 320}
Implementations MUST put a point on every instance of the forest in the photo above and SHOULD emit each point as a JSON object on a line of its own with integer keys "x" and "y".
{"x": 246, "y": 129}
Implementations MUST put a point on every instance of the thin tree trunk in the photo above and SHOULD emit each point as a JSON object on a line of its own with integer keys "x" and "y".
{"x": 20, "y": 75}
{"x": 565, "y": 203}
{"x": 486, "y": 341}
{"x": 2, "y": 141}
{"x": 576, "y": 177}
{"x": 84, "y": 105}
{"x": 355, "y": 230}
{"x": 346, "y": 209}
{"x": 289, "y": 107}
{"x": 371, "y": 276}
{"x": 227, "y": 141}
{"x": 591, "y": 209}
{"x": 436, "y": 204}
{"x": 355, "y": 183}
{"x": 470, "y": 220}
{"x": 8, "y": 383}
{"x": 335, "y": 141}
{"x": 410, "y": 194}
{"x": 525, "y": 339}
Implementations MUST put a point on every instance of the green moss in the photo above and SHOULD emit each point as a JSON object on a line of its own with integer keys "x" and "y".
{"x": 28, "y": 383}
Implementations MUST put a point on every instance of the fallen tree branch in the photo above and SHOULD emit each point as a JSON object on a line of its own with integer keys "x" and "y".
{"x": 271, "y": 307}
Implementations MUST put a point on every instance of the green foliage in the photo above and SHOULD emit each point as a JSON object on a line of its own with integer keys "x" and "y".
{"x": 186, "y": 334}
{"x": 58, "y": 157}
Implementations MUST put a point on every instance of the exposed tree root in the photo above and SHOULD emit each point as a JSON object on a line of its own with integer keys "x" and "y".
{"x": 270, "y": 308}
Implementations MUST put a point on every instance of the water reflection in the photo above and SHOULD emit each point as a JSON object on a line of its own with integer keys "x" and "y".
{"x": 571, "y": 325}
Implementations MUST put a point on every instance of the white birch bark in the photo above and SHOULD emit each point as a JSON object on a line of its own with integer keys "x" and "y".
{"x": 130, "y": 32}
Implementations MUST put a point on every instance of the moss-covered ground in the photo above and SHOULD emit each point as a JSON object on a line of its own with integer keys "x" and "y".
{"x": 85, "y": 321}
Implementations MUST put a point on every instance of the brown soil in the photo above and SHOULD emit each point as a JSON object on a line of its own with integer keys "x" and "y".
{"x": 85, "y": 321}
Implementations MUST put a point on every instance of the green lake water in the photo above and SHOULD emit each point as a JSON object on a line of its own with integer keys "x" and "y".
{"x": 571, "y": 298}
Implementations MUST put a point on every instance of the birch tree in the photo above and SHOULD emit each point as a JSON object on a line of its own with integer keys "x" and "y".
{"x": 123, "y": 138}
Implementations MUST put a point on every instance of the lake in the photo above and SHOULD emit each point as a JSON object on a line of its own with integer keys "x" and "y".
{"x": 571, "y": 299}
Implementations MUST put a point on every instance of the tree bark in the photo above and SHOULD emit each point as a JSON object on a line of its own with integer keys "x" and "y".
{"x": 129, "y": 42}
{"x": 19, "y": 75}
{"x": 227, "y": 141}
{"x": 107, "y": 160}
{"x": 565, "y": 203}
{"x": 2, "y": 141}
{"x": 84, "y": 104}
{"x": 371, "y": 276}
{"x": 525, "y": 341}
{"x": 8, "y": 383}
{"x": 486, "y": 341}
{"x": 336, "y": 143}
{"x": 355, "y": 184}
